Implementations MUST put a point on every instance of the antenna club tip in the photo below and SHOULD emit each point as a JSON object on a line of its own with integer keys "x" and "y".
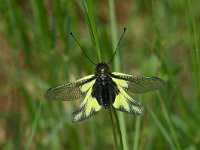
{"x": 125, "y": 29}
{"x": 71, "y": 33}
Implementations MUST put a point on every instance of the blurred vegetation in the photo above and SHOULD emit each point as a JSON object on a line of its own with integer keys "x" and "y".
{"x": 37, "y": 52}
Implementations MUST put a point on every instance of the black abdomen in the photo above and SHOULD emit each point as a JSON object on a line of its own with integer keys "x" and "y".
{"x": 105, "y": 90}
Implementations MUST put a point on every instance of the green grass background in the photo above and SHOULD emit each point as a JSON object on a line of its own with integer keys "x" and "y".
{"x": 37, "y": 52}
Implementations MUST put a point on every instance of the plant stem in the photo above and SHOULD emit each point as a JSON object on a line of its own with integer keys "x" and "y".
{"x": 113, "y": 26}
{"x": 137, "y": 133}
{"x": 118, "y": 128}
{"x": 88, "y": 5}
{"x": 162, "y": 129}
{"x": 113, "y": 127}
{"x": 34, "y": 126}
{"x": 173, "y": 133}
{"x": 93, "y": 31}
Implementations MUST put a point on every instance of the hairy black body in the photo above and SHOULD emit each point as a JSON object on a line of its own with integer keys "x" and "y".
{"x": 104, "y": 89}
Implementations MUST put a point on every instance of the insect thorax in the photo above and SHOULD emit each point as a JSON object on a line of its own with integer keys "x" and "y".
{"x": 104, "y": 89}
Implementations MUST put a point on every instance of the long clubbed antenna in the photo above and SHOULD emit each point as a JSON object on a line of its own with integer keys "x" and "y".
{"x": 81, "y": 47}
{"x": 117, "y": 45}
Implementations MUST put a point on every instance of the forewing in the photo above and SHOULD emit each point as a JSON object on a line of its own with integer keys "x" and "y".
{"x": 137, "y": 84}
{"x": 123, "y": 102}
{"x": 70, "y": 91}
{"x": 88, "y": 108}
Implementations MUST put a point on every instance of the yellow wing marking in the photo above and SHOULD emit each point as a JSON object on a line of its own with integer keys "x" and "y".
{"x": 120, "y": 101}
{"x": 88, "y": 107}
{"x": 120, "y": 82}
{"x": 85, "y": 78}
{"x": 121, "y": 74}
{"x": 85, "y": 87}
{"x": 77, "y": 117}
{"x": 123, "y": 102}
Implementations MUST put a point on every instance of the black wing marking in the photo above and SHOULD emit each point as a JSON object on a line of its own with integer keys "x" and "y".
{"x": 88, "y": 108}
{"x": 137, "y": 84}
{"x": 123, "y": 102}
{"x": 70, "y": 91}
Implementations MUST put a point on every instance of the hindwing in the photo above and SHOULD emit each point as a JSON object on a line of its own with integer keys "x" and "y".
{"x": 70, "y": 91}
{"x": 123, "y": 102}
{"x": 88, "y": 108}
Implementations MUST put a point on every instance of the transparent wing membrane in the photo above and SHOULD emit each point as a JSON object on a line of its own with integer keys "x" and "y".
{"x": 70, "y": 91}
{"x": 137, "y": 84}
